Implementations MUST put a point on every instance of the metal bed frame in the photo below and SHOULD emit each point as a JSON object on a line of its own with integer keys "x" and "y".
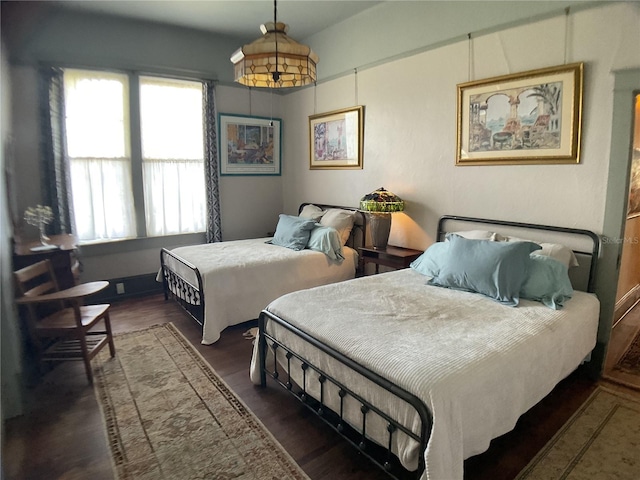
{"x": 356, "y": 435}
{"x": 187, "y": 290}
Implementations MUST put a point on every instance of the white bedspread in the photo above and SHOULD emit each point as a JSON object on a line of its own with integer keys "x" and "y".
{"x": 477, "y": 364}
{"x": 241, "y": 277}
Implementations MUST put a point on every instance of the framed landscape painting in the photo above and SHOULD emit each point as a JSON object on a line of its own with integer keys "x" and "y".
{"x": 526, "y": 118}
{"x": 249, "y": 145}
{"x": 336, "y": 139}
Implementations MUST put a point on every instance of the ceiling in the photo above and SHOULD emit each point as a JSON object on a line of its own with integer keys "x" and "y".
{"x": 236, "y": 18}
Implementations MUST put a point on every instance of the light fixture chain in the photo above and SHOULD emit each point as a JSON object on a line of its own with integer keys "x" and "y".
{"x": 470, "y": 60}
{"x": 276, "y": 76}
{"x": 566, "y": 33}
{"x": 355, "y": 78}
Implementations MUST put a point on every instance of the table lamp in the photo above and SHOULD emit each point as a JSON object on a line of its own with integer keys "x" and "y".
{"x": 379, "y": 205}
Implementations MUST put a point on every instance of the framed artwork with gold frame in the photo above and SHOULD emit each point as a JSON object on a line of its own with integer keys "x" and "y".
{"x": 336, "y": 139}
{"x": 532, "y": 117}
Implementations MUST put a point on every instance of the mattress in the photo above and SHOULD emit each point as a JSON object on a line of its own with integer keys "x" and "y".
{"x": 241, "y": 277}
{"x": 476, "y": 364}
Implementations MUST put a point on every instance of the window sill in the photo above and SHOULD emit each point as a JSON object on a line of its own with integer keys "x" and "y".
{"x": 135, "y": 244}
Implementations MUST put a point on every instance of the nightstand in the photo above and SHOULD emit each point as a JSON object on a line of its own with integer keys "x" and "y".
{"x": 62, "y": 256}
{"x": 392, "y": 257}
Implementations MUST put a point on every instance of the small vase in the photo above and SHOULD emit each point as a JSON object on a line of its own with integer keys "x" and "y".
{"x": 44, "y": 240}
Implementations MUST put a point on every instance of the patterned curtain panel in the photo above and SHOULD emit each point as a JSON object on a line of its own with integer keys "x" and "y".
{"x": 214, "y": 224}
{"x": 56, "y": 177}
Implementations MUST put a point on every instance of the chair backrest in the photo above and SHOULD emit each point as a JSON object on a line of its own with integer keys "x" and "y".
{"x": 38, "y": 279}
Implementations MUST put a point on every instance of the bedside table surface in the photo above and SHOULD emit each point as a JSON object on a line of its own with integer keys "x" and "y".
{"x": 392, "y": 251}
{"x": 393, "y": 257}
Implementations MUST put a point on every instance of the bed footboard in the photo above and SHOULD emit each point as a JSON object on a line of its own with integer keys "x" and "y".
{"x": 380, "y": 453}
{"x": 183, "y": 283}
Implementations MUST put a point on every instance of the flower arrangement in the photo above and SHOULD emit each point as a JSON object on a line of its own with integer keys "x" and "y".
{"x": 39, "y": 216}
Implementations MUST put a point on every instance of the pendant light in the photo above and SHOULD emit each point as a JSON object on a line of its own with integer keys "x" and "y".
{"x": 274, "y": 60}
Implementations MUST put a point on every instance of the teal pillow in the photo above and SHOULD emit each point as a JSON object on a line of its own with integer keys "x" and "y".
{"x": 494, "y": 269}
{"x": 326, "y": 240}
{"x": 548, "y": 282}
{"x": 430, "y": 262}
{"x": 292, "y": 232}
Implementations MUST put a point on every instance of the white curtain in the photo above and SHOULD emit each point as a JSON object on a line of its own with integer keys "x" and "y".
{"x": 102, "y": 198}
{"x": 172, "y": 155}
{"x": 99, "y": 147}
{"x": 97, "y": 123}
{"x": 174, "y": 196}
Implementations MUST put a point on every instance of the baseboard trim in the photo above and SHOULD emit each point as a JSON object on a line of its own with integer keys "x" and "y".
{"x": 133, "y": 287}
{"x": 625, "y": 304}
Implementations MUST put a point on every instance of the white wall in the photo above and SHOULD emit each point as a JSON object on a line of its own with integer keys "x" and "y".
{"x": 396, "y": 28}
{"x": 410, "y": 128}
{"x": 410, "y": 136}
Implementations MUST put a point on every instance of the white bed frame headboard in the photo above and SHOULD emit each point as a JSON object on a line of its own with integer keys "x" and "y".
{"x": 584, "y": 243}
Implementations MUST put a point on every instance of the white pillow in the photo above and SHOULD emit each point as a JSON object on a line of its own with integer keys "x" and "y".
{"x": 341, "y": 220}
{"x": 554, "y": 250}
{"x": 480, "y": 235}
{"x": 312, "y": 211}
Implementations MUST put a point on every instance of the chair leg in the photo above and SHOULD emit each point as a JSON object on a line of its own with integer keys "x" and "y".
{"x": 107, "y": 324}
{"x": 85, "y": 358}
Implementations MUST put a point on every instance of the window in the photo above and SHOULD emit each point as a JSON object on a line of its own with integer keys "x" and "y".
{"x": 164, "y": 149}
{"x": 97, "y": 122}
{"x": 172, "y": 155}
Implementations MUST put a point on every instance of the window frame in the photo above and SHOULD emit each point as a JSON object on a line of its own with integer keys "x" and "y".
{"x": 134, "y": 137}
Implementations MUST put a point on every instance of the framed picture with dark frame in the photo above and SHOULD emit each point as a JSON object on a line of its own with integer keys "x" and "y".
{"x": 336, "y": 139}
{"x": 532, "y": 117}
{"x": 249, "y": 145}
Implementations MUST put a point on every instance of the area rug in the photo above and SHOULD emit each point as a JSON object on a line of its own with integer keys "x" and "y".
{"x": 600, "y": 441}
{"x": 630, "y": 361}
{"x": 170, "y": 416}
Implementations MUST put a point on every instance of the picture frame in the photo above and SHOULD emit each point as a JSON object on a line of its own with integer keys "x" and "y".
{"x": 336, "y": 139}
{"x": 526, "y": 118}
{"x": 249, "y": 145}
{"x": 633, "y": 209}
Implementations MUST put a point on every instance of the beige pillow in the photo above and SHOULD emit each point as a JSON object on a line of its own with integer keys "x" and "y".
{"x": 341, "y": 220}
{"x": 480, "y": 235}
{"x": 312, "y": 211}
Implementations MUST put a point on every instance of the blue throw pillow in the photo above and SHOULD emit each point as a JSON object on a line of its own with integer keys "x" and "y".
{"x": 326, "y": 240}
{"x": 548, "y": 282}
{"x": 430, "y": 262}
{"x": 494, "y": 269}
{"x": 292, "y": 232}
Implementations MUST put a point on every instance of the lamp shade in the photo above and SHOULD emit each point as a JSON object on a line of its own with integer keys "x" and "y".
{"x": 381, "y": 200}
{"x": 274, "y": 60}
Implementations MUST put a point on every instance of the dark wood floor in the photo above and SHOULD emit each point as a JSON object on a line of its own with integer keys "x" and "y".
{"x": 61, "y": 436}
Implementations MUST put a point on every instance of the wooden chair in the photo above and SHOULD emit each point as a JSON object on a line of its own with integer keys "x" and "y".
{"x": 59, "y": 326}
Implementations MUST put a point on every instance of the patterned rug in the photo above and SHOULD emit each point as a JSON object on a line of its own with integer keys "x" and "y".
{"x": 630, "y": 361}
{"x": 170, "y": 416}
{"x": 601, "y": 441}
